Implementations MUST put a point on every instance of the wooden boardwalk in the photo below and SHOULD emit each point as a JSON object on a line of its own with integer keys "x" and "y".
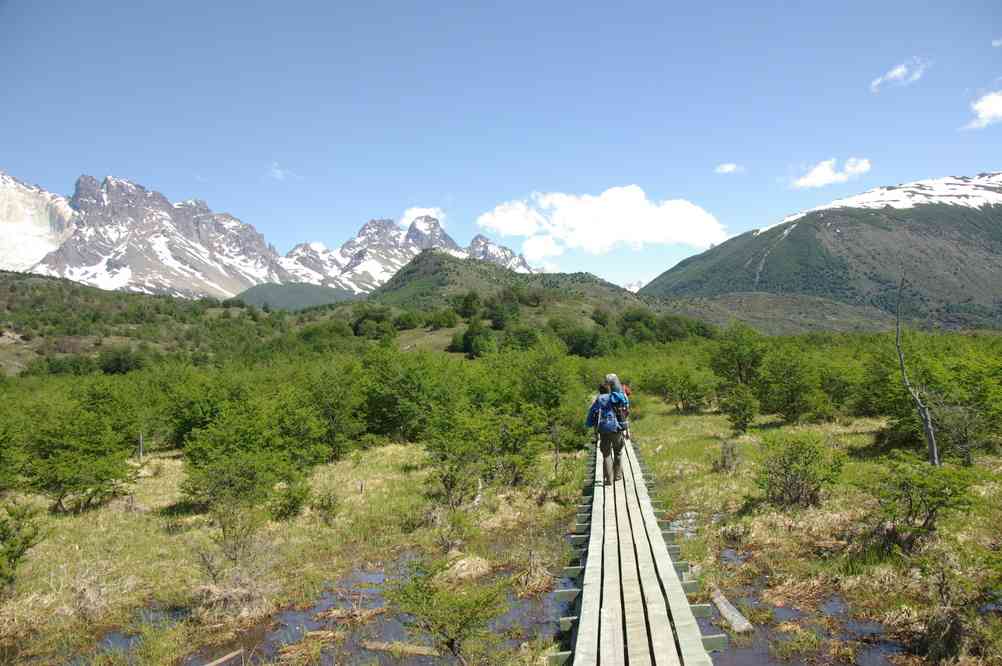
{"x": 632, "y": 606}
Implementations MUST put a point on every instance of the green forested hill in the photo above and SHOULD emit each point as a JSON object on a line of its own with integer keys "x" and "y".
{"x": 951, "y": 256}
{"x": 293, "y": 296}
{"x": 432, "y": 278}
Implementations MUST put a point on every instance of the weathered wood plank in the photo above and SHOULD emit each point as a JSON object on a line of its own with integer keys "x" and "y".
{"x": 687, "y": 632}
{"x": 587, "y": 638}
{"x": 634, "y": 613}
{"x": 611, "y": 649}
{"x": 662, "y": 638}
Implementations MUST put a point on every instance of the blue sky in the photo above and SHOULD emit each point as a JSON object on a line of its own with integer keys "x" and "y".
{"x": 307, "y": 119}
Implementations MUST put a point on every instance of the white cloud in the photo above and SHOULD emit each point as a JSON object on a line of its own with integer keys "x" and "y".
{"x": 539, "y": 248}
{"x": 555, "y": 221}
{"x": 729, "y": 167}
{"x": 418, "y": 211}
{"x": 827, "y": 173}
{"x": 987, "y": 110}
{"x": 997, "y": 43}
{"x": 280, "y": 174}
{"x": 904, "y": 74}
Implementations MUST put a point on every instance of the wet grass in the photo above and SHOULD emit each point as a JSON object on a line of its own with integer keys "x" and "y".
{"x": 801, "y": 558}
{"x": 97, "y": 571}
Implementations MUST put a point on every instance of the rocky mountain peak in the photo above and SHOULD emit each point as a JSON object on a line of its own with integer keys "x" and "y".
{"x": 116, "y": 234}
{"x": 426, "y": 232}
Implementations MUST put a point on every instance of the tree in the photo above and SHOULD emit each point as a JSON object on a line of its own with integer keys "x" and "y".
{"x": 19, "y": 532}
{"x": 738, "y": 355}
{"x": 407, "y": 320}
{"x": 546, "y": 384}
{"x": 469, "y": 305}
{"x": 502, "y": 309}
{"x": 119, "y": 361}
{"x": 74, "y": 453}
{"x": 920, "y": 406}
{"x": 741, "y": 406}
{"x": 787, "y": 385}
{"x": 444, "y": 318}
{"x": 638, "y": 324}
{"x": 478, "y": 340}
{"x": 601, "y": 315}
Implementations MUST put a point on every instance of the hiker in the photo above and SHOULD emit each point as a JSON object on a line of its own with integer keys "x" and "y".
{"x": 623, "y": 404}
{"x": 602, "y": 415}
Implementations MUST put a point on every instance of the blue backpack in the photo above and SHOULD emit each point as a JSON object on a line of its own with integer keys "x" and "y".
{"x": 607, "y": 421}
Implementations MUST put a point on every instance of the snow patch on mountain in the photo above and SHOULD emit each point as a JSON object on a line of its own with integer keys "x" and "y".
{"x": 634, "y": 286}
{"x": 973, "y": 192}
{"x": 116, "y": 234}
{"x": 33, "y": 223}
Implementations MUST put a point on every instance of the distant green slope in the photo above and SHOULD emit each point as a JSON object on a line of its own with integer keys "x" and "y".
{"x": 431, "y": 278}
{"x": 294, "y": 296}
{"x": 951, "y": 256}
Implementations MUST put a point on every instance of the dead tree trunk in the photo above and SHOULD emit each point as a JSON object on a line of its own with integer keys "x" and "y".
{"x": 920, "y": 406}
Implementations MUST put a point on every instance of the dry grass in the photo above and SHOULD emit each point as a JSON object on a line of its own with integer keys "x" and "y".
{"x": 801, "y": 558}
{"x": 96, "y": 570}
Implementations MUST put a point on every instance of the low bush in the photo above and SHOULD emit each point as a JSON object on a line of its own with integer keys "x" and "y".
{"x": 455, "y": 617}
{"x": 741, "y": 407}
{"x": 912, "y": 497}
{"x": 796, "y": 467}
{"x": 326, "y": 505}
{"x": 19, "y": 532}
{"x": 289, "y": 500}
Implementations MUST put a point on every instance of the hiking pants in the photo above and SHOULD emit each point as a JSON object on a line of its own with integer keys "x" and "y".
{"x": 611, "y": 444}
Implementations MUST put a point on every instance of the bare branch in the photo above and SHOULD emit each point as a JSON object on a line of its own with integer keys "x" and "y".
{"x": 922, "y": 409}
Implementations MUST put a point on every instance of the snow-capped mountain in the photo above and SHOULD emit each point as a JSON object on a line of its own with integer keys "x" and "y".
{"x": 381, "y": 248}
{"x": 116, "y": 234}
{"x": 33, "y": 223}
{"x": 485, "y": 249}
{"x": 985, "y": 189}
{"x": 126, "y": 237}
{"x": 941, "y": 234}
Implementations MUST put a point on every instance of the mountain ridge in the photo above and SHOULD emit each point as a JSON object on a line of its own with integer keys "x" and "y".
{"x": 117, "y": 234}
{"x": 943, "y": 235}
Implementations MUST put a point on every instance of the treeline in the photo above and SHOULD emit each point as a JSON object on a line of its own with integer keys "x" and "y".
{"x": 826, "y": 377}
{"x": 244, "y": 431}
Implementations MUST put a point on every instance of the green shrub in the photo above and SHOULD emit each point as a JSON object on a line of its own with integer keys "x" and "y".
{"x": 326, "y": 505}
{"x": 741, "y": 407}
{"x": 796, "y": 467}
{"x": 444, "y": 318}
{"x": 19, "y": 532}
{"x": 238, "y": 525}
{"x": 74, "y": 453}
{"x": 119, "y": 361}
{"x": 407, "y": 320}
{"x": 738, "y": 355}
{"x": 469, "y": 305}
{"x": 478, "y": 340}
{"x": 455, "y": 617}
{"x": 913, "y": 496}
{"x": 788, "y": 386}
{"x": 601, "y": 315}
{"x": 288, "y": 501}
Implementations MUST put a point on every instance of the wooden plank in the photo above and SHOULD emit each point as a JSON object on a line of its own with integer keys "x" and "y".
{"x": 687, "y": 632}
{"x": 664, "y": 652}
{"x": 226, "y": 658}
{"x": 587, "y": 638}
{"x": 634, "y": 614}
{"x": 611, "y": 649}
